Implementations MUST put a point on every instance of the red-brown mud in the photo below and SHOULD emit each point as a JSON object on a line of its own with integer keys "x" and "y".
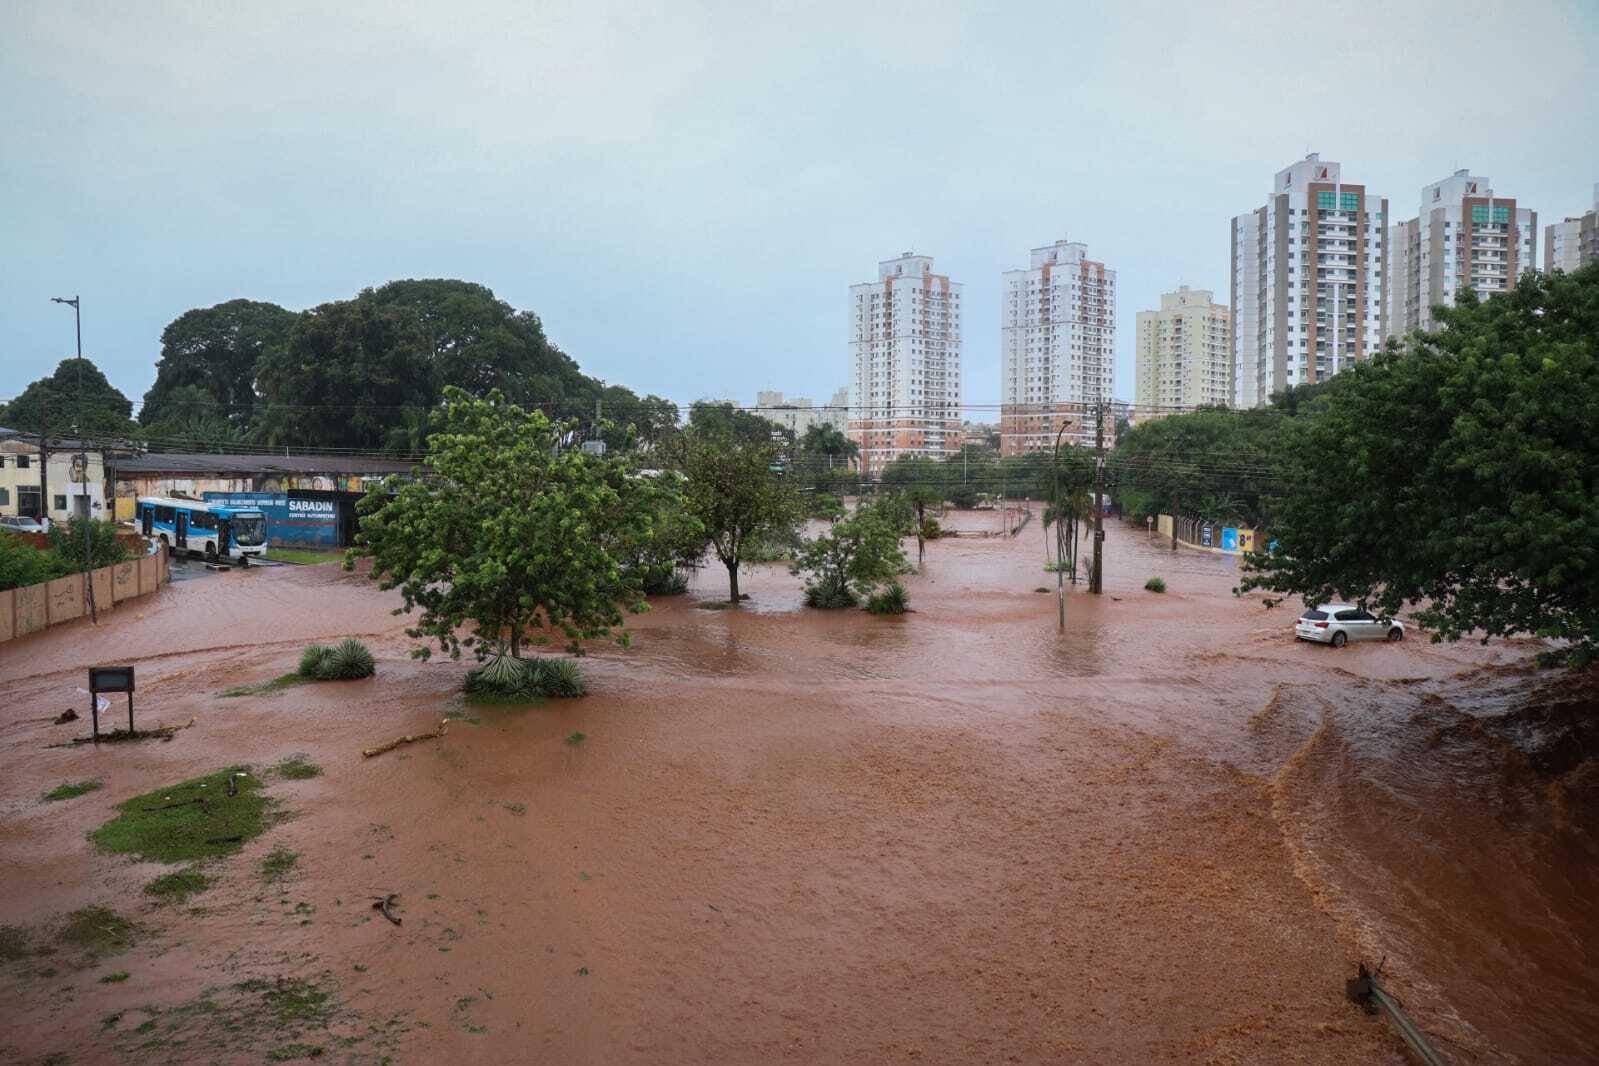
{"x": 958, "y": 836}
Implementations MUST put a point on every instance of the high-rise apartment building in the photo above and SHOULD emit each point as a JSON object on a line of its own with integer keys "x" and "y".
{"x": 1184, "y": 353}
{"x": 1058, "y": 341}
{"x": 1573, "y": 242}
{"x": 1464, "y": 237}
{"x": 1307, "y": 281}
{"x": 905, "y": 360}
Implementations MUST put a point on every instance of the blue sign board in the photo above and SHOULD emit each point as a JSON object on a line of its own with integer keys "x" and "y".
{"x": 1229, "y": 539}
{"x": 290, "y": 522}
{"x": 1205, "y": 536}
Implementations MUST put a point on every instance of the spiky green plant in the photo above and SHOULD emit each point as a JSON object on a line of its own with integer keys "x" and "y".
{"x": 559, "y": 678}
{"x": 313, "y": 661}
{"x": 348, "y": 660}
{"x": 891, "y": 599}
{"x": 503, "y": 675}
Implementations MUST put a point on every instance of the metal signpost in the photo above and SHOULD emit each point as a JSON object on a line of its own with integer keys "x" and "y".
{"x": 109, "y": 679}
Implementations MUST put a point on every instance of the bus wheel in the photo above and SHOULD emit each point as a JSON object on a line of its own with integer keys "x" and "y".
{"x": 211, "y": 553}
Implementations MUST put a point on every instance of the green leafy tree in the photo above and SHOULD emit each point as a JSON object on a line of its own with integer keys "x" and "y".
{"x": 66, "y": 542}
{"x": 508, "y": 532}
{"x": 207, "y": 367}
{"x": 1211, "y": 463}
{"x": 853, "y": 557}
{"x": 922, "y": 483}
{"x": 75, "y": 399}
{"x": 726, "y": 421}
{"x": 346, "y": 375}
{"x": 1459, "y": 473}
{"x": 731, "y": 489}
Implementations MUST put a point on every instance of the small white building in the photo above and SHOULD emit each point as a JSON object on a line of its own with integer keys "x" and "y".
{"x": 72, "y": 482}
{"x": 797, "y": 414}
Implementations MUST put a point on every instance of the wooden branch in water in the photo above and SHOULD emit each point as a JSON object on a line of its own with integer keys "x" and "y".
{"x": 407, "y": 739}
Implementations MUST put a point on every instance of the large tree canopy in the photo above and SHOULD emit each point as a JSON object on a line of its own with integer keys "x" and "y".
{"x": 69, "y": 404}
{"x": 1460, "y": 473}
{"x": 510, "y": 531}
{"x": 208, "y": 362}
{"x": 1212, "y": 463}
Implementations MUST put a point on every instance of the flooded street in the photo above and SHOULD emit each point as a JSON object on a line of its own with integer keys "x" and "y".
{"x": 1166, "y": 835}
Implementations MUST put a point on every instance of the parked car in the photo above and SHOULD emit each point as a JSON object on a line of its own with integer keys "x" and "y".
{"x": 21, "y": 524}
{"x": 1339, "y": 623}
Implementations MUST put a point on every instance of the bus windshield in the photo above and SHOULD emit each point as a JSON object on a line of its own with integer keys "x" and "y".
{"x": 249, "y": 529}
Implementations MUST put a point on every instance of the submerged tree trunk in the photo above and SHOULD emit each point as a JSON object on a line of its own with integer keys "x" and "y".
{"x": 732, "y": 581}
{"x": 921, "y": 546}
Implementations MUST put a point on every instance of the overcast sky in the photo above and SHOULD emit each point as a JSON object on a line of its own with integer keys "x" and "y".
{"x": 684, "y": 192}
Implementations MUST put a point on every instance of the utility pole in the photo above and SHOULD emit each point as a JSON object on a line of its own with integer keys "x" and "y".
{"x": 44, "y": 463}
{"x": 1096, "y": 584}
{"x": 83, "y": 465}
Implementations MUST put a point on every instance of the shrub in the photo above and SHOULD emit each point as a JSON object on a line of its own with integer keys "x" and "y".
{"x": 1155, "y": 584}
{"x": 557, "y": 678}
{"x": 22, "y": 564}
{"x": 931, "y": 530}
{"x": 830, "y": 595}
{"x": 313, "y": 660}
{"x": 349, "y": 660}
{"x": 963, "y": 498}
{"x": 662, "y": 581}
{"x": 507, "y": 676}
{"x": 503, "y": 675}
{"x": 891, "y": 599}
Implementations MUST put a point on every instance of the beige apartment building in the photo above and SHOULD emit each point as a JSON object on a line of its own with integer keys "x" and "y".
{"x": 1465, "y": 237}
{"x": 905, "y": 363}
{"x": 1184, "y": 353}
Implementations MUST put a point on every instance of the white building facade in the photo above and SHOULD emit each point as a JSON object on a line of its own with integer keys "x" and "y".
{"x": 905, "y": 363}
{"x": 1183, "y": 357}
{"x": 1464, "y": 237}
{"x": 1058, "y": 345}
{"x": 1308, "y": 270}
{"x": 797, "y": 414}
{"x": 1573, "y": 242}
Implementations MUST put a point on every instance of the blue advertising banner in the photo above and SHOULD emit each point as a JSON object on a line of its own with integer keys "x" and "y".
{"x": 290, "y": 522}
{"x": 1229, "y": 539}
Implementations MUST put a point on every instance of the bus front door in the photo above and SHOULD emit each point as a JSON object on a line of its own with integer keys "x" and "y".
{"x": 147, "y": 517}
{"x": 181, "y": 535}
{"x": 224, "y": 535}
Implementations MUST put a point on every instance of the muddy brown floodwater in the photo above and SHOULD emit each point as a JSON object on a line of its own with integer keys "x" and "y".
{"x": 959, "y": 836}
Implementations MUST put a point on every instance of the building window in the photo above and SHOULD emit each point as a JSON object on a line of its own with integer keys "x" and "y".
{"x": 24, "y": 461}
{"x": 60, "y": 503}
{"x": 5, "y": 497}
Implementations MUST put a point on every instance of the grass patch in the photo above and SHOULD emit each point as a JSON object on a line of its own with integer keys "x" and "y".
{"x": 1155, "y": 584}
{"x": 193, "y": 820}
{"x": 178, "y": 887}
{"x": 99, "y": 931}
{"x": 277, "y": 864}
{"x": 264, "y": 1019}
{"x": 576, "y": 740}
{"x": 114, "y": 978}
{"x": 264, "y": 688}
{"x": 503, "y": 699}
{"x": 291, "y": 1001}
{"x": 715, "y": 605}
{"x": 296, "y": 768}
{"x": 516, "y": 808}
{"x": 71, "y": 791}
{"x": 15, "y": 943}
{"x": 301, "y": 557}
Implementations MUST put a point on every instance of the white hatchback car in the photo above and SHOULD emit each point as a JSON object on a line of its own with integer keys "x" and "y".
{"x": 1339, "y": 623}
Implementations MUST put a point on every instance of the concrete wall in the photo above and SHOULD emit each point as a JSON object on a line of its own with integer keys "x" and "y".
{"x": 35, "y": 607}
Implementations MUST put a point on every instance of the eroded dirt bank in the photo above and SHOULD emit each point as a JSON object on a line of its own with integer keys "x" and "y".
{"x": 816, "y": 837}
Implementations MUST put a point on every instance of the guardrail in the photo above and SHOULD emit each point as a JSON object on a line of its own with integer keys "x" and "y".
{"x": 1364, "y": 989}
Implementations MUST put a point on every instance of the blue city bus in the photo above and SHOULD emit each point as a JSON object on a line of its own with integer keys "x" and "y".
{"x": 216, "y": 531}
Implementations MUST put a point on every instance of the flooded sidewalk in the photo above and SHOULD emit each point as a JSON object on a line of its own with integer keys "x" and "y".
{"x": 771, "y": 833}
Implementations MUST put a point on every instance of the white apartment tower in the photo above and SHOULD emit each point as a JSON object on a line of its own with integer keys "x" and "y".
{"x": 1058, "y": 341}
{"x": 1573, "y": 242}
{"x": 1464, "y": 237}
{"x": 905, "y": 363}
{"x": 1184, "y": 353}
{"x": 1307, "y": 281}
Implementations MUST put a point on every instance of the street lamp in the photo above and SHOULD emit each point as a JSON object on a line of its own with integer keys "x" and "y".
{"x": 83, "y": 462}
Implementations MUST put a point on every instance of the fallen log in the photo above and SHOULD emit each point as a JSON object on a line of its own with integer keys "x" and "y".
{"x": 407, "y": 739}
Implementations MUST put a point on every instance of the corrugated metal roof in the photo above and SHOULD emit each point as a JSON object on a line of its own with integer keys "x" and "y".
{"x": 255, "y": 465}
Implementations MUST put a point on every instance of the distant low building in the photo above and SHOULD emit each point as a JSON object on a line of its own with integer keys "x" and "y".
{"x": 798, "y": 414}
{"x": 1574, "y": 242}
{"x": 73, "y": 481}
